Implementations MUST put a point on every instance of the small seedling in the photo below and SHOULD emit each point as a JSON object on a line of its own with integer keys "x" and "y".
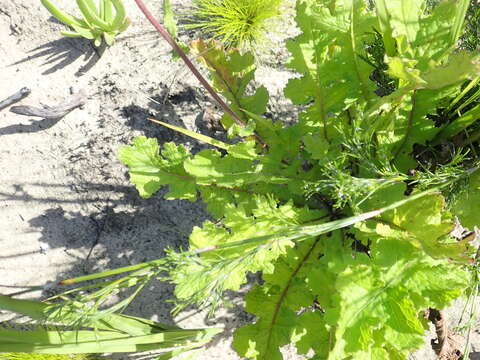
{"x": 107, "y": 19}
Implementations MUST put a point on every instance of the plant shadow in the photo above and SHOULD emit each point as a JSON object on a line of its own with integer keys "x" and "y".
{"x": 58, "y": 54}
{"x": 123, "y": 232}
{"x": 34, "y": 126}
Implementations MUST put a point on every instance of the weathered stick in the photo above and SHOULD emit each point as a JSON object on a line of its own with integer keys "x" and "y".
{"x": 52, "y": 112}
{"x": 446, "y": 346}
{"x": 19, "y": 95}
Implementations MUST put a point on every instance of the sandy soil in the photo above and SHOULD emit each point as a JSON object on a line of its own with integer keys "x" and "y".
{"x": 62, "y": 189}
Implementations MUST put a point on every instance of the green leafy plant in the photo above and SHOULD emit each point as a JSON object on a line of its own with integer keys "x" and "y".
{"x": 347, "y": 221}
{"x": 106, "y": 19}
{"x": 347, "y": 224}
{"x": 237, "y": 23}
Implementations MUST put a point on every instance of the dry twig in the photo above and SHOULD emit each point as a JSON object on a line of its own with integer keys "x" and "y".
{"x": 52, "y": 112}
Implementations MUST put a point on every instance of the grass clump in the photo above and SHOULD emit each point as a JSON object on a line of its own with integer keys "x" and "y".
{"x": 236, "y": 23}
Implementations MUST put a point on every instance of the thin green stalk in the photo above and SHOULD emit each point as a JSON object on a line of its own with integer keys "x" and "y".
{"x": 459, "y": 124}
{"x": 142, "y": 266}
{"x": 469, "y": 87}
{"x": 470, "y": 139}
{"x": 193, "y": 134}
{"x": 409, "y": 127}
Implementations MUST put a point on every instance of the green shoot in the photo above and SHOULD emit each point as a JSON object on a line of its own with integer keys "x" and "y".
{"x": 98, "y": 21}
{"x": 100, "y": 333}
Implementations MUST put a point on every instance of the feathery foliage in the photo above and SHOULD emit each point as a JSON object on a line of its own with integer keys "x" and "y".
{"x": 236, "y": 23}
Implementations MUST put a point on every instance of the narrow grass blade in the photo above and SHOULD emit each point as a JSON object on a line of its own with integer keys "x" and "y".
{"x": 460, "y": 96}
{"x": 38, "y": 310}
{"x": 34, "y": 309}
{"x": 134, "y": 325}
{"x": 103, "y": 274}
{"x": 193, "y": 134}
{"x": 113, "y": 333}
{"x": 471, "y": 99}
{"x": 458, "y": 125}
{"x": 169, "y": 19}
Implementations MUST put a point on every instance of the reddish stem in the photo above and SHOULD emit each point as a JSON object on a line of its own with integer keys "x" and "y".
{"x": 188, "y": 62}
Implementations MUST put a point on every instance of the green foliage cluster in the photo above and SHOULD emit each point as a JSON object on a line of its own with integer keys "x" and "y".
{"x": 347, "y": 213}
{"x": 236, "y": 23}
{"x": 345, "y": 221}
{"x": 105, "y": 18}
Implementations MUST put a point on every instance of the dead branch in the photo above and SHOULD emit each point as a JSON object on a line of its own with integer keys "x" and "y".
{"x": 52, "y": 112}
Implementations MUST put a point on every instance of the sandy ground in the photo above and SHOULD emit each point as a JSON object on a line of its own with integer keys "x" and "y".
{"x": 62, "y": 189}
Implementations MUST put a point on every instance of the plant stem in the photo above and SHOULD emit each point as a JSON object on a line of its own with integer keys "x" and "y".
{"x": 164, "y": 33}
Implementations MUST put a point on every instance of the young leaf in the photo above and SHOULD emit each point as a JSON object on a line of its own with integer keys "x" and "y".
{"x": 231, "y": 73}
{"x": 390, "y": 288}
{"x": 276, "y": 305}
{"x": 149, "y": 169}
{"x": 202, "y": 280}
{"x": 422, "y": 223}
{"x": 327, "y": 55}
{"x": 119, "y": 22}
{"x": 90, "y": 13}
{"x": 62, "y": 16}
